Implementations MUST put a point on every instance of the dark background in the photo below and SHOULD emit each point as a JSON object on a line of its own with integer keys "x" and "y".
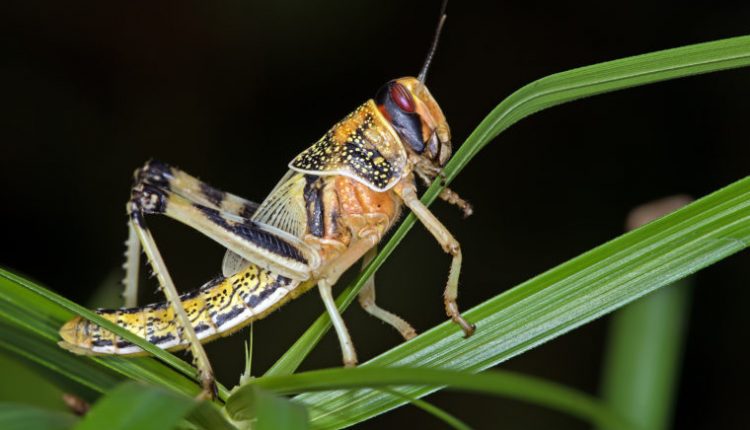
{"x": 231, "y": 91}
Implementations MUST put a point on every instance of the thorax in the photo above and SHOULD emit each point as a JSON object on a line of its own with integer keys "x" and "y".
{"x": 340, "y": 210}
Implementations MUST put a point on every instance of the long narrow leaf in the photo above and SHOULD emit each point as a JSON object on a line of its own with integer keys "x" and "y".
{"x": 154, "y": 350}
{"x": 269, "y": 411}
{"x": 137, "y": 406}
{"x": 645, "y": 341}
{"x": 41, "y": 312}
{"x": 431, "y": 409}
{"x": 644, "y": 354}
{"x": 563, "y": 298}
{"x": 24, "y": 417}
{"x": 498, "y": 383}
{"x": 36, "y": 349}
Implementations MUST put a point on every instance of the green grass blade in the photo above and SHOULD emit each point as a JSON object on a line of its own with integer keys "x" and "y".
{"x": 208, "y": 417}
{"x": 643, "y": 357}
{"x": 23, "y": 417}
{"x": 22, "y": 382}
{"x": 269, "y": 411}
{"x": 39, "y": 313}
{"x": 247, "y": 374}
{"x": 442, "y": 415}
{"x": 542, "y": 94}
{"x": 131, "y": 406}
{"x": 645, "y": 342}
{"x": 136, "y": 406}
{"x": 562, "y": 299}
{"x": 165, "y": 356}
{"x": 514, "y": 385}
{"x": 36, "y": 349}
{"x": 601, "y": 78}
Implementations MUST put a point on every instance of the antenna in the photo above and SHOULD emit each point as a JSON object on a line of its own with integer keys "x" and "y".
{"x": 423, "y": 73}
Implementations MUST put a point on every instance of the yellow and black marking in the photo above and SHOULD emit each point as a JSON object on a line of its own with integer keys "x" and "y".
{"x": 362, "y": 146}
{"x": 218, "y": 308}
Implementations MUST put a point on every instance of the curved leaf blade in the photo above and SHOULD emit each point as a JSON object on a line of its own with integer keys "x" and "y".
{"x": 136, "y": 406}
{"x": 34, "y": 315}
{"x": 509, "y": 384}
{"x": 269, "y": 411}
{"x": 23, "y": 417}
{"x": 561, "y": 299}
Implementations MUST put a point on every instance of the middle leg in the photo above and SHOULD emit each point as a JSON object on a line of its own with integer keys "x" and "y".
{"x": 326, "y": 279}
{"x": 367, "y": 301}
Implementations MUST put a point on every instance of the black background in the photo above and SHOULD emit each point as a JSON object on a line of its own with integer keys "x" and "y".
{"x": 230, "y": 91}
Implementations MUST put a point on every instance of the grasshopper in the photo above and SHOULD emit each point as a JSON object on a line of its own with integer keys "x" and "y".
{"x": 336, "y": 202}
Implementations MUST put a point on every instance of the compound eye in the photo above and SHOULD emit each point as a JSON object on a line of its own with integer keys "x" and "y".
{"x": 402, "y": 98}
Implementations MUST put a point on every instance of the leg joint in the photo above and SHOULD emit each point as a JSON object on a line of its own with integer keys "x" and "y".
{"x": 148, "y": 199}
{"x": 154, "y": 173}
{"x": 149, "y": 192}
{"x": 453, "y": 248}
{"x": 367, "y": 302}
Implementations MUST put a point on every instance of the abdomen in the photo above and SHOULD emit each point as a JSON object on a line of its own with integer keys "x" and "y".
{"x": 220, "y": 307}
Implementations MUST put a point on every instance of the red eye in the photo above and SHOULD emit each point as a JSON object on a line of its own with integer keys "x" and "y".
{"x": 403, "y": 99}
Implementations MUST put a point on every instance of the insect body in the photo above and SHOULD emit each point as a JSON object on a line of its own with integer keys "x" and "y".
{"x": 338, "y": 199}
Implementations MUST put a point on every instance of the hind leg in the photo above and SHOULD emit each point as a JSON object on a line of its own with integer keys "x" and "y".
{"x": 205, "y": 372}
{"x": 174, "y": 195}
{"x": 187, "y": 187}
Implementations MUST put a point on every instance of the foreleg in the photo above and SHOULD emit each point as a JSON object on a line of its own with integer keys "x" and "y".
{"x": 450, "y": 245}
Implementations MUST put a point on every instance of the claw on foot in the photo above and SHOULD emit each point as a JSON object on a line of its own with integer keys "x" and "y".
{"x": 76, "y": 404}
{"x": 210, "y": 391}
{"x": 409, "y": 334}
{"x": 452, "y": 310}
{"x": 468, "y": 328}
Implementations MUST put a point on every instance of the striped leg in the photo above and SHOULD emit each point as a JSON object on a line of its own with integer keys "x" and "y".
{"x": 191, "y": 189}
{"x": 155, "y": 183}
{"x": 367, "y": 301}
{"x": 205, "y": 372}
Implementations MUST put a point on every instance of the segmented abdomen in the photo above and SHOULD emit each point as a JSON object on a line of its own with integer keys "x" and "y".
{"x": 218, "y": 308}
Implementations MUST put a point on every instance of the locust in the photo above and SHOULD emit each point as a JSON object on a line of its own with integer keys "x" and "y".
{"x": 337, "y": 200}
